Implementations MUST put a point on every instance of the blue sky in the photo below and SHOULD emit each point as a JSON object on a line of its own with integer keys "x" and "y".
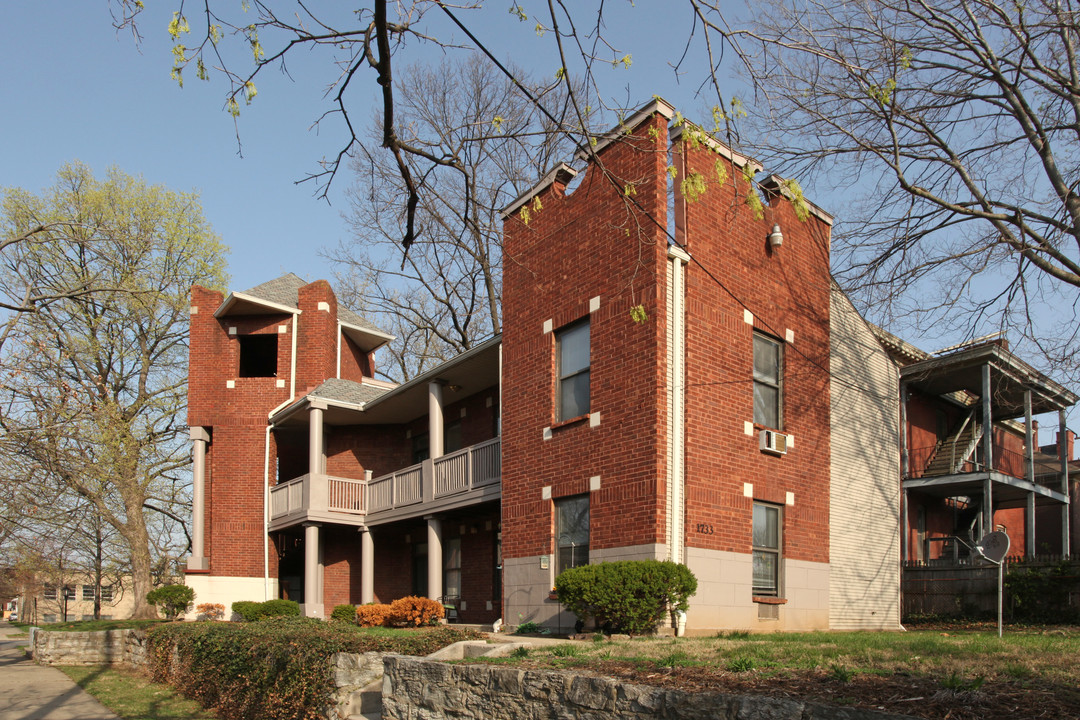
{"x": 75, "y": 88}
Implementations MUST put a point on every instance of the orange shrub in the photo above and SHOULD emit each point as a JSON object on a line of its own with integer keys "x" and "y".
{"x": 415, "y": 611}
{"x": 210, "y": 611}
{"x": 373, "y": 615}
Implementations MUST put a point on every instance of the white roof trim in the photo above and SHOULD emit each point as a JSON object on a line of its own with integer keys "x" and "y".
{"x": 539, "y": 187}
{"x": 713, "y": 144}
{"x": 367, "y": 331}
{"x": 658, "y": 105}
{"x": 235, "y": 297}
{"x": 781, "y": 186}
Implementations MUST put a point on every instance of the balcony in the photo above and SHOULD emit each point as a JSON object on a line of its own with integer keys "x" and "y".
{"x": 466, "y": 477}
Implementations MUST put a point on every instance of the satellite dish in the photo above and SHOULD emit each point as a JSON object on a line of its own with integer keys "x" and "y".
{"x": 994, "y": 546}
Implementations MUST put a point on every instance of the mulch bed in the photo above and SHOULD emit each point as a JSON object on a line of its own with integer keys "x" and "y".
{"x": 913, "y": 695}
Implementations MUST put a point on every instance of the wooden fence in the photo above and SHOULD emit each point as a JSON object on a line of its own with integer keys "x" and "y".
{"x": 1039, "y": 588}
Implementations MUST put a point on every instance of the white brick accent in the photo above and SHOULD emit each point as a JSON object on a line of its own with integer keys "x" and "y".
{"x": 281, "y": 383}
{"x": 282, "y": 329}
{"x": 748, "y": 490}
{"x": 789, "y": 335}
{"x": 547, "y": 433}
{"x": 230, "y": 384}
{"x": 324, "y": 306}
{"x": 748, "y": 428}
{"x": 747, "y": 317}
{"x": 232, "y": 330}
{"x": 789, "y": 498}
{"x": 545, "y": 492}
{"x": 790, "y": 442}
{"x": 194, "y": 310}
{"x": 594, "y": 483}
{"x": 594, "y": 304}
{"x": 462, "y": 412}
{"x": 594, "y": 419}
{"x": 547, "y": 326}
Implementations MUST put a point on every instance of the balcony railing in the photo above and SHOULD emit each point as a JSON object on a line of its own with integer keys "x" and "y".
{"x": 925, "y": 462}
{"x": 324, "y": 497}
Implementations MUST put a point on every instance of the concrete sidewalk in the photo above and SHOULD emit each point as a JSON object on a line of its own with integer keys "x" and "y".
{"x": 33, "y": 692}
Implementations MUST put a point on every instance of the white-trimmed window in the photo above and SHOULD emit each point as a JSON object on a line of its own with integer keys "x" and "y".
{"x": 768, "y": 381}
{"x": 87, "y": 592}
{"x": 572, "y": 370}
{"x": 571, "y": 532}
{"x": 767, "y": 549}
{"x": 106, "y": 594}
{"x": 50, "y": 592}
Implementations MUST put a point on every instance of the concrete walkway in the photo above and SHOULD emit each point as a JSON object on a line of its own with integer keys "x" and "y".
{"x": 33, "y": 692}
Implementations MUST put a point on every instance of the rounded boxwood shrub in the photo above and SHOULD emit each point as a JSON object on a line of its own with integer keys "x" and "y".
{"x": 174, "y": 600}
{"x": 254, "y": 611}
{"x": 344, "y": 613}
{"x": 373, "y": 615}
{"x": 413, "y": 611}
{"x": 628, "y": 596}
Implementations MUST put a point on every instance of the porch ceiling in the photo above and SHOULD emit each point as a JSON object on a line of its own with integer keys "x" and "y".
{"x": 1008, "y": 491}
{"x": 1009, "y": 378}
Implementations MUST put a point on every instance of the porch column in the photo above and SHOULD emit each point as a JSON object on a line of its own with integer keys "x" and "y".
{"x": 905, "y": 528}
{"x": 1029, "y": 457}
{"x": 367, "y": 567}
{"x": 316, "y": 460}
{"x": 312, "y": 606}
{"x": 988, "y": 453}
{"x": 434, "y": 557}
{"x": 199, "y": 440}
{"x": 435, "y": 419}
{"x": 1063, "y": 455}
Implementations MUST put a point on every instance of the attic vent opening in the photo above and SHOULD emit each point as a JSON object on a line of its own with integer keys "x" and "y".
{"x": 258, "y": 355}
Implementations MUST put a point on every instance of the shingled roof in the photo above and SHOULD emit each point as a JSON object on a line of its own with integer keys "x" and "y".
{"x": 346, "y": 391}
{"x": 285, "y": 291}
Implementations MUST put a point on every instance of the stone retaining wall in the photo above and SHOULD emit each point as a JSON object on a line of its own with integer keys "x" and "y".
{"x": 104, "y": 647}
{"x": 415, "y": 687}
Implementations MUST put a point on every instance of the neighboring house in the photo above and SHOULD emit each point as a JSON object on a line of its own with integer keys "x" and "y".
{"x": 961, "y": 482}
{"x": 713, "y": 400}
{"x": 42, "y": 601}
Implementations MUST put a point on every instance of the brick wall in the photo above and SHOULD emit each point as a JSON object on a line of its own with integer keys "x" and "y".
{"x": 787, "y": 291}
{"x": 592, "y": 243}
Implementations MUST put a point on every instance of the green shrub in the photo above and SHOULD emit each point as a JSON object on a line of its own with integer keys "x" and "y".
{"x": 247, "y": 610}
{"x": 254, "y": 611}
{"x": 278, "y": 669}
{"x": 280, "y": 608}
{"x": 174, "y": 600}
{"x": 344, "y": 613}
{"x": 629, "y": 596}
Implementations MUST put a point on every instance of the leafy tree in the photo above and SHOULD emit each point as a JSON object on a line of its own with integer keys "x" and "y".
{"x": 173, "y": 599}
{"x": 93, "y": 386}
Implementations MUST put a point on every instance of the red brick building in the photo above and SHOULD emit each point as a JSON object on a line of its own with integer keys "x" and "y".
{"x": 677, "y": 378}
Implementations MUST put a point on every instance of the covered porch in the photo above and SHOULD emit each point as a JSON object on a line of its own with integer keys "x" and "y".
{"x": 989, "y": 460}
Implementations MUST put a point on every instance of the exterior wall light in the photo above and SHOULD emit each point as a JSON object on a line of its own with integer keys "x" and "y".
{"x": 776, "y": 238}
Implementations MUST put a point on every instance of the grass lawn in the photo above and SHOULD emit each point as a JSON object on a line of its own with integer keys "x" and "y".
{"x": 936, "y": 674}
{"x": 133, "y": 697}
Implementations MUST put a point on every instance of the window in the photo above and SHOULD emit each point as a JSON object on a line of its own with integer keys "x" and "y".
{"x": 106, "y": 593}
{"x": 420, "y": 448}
{"x": 571, "y": 532}
{"x": 49, "y": 617}
{"x": 572, "y": 356}
{"x": 87, "y": 592}
{"x": 452, "y": 437}
{"x": 69, "y": 592}
{"x": 50, "y": 592}
{"x": 766, "y": 542}
{"x": 258, "y": 355}
{"x": 452, "y": 568}
{"x": 768, "y": 371}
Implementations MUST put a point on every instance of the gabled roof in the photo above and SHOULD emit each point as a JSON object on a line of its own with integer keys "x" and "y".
{"x": 282, "y": 296}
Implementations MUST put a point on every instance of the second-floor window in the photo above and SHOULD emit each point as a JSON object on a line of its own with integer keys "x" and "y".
{"x": 768, "y": 385}
{"x": 258, "y": 355}
{"x": 572, "y": 371}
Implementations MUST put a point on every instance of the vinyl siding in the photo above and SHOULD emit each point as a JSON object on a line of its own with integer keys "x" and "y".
{"x": 864, "y": 507}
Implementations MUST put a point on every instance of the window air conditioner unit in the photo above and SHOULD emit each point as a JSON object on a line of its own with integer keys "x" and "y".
{"x": 772, "y": 442}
